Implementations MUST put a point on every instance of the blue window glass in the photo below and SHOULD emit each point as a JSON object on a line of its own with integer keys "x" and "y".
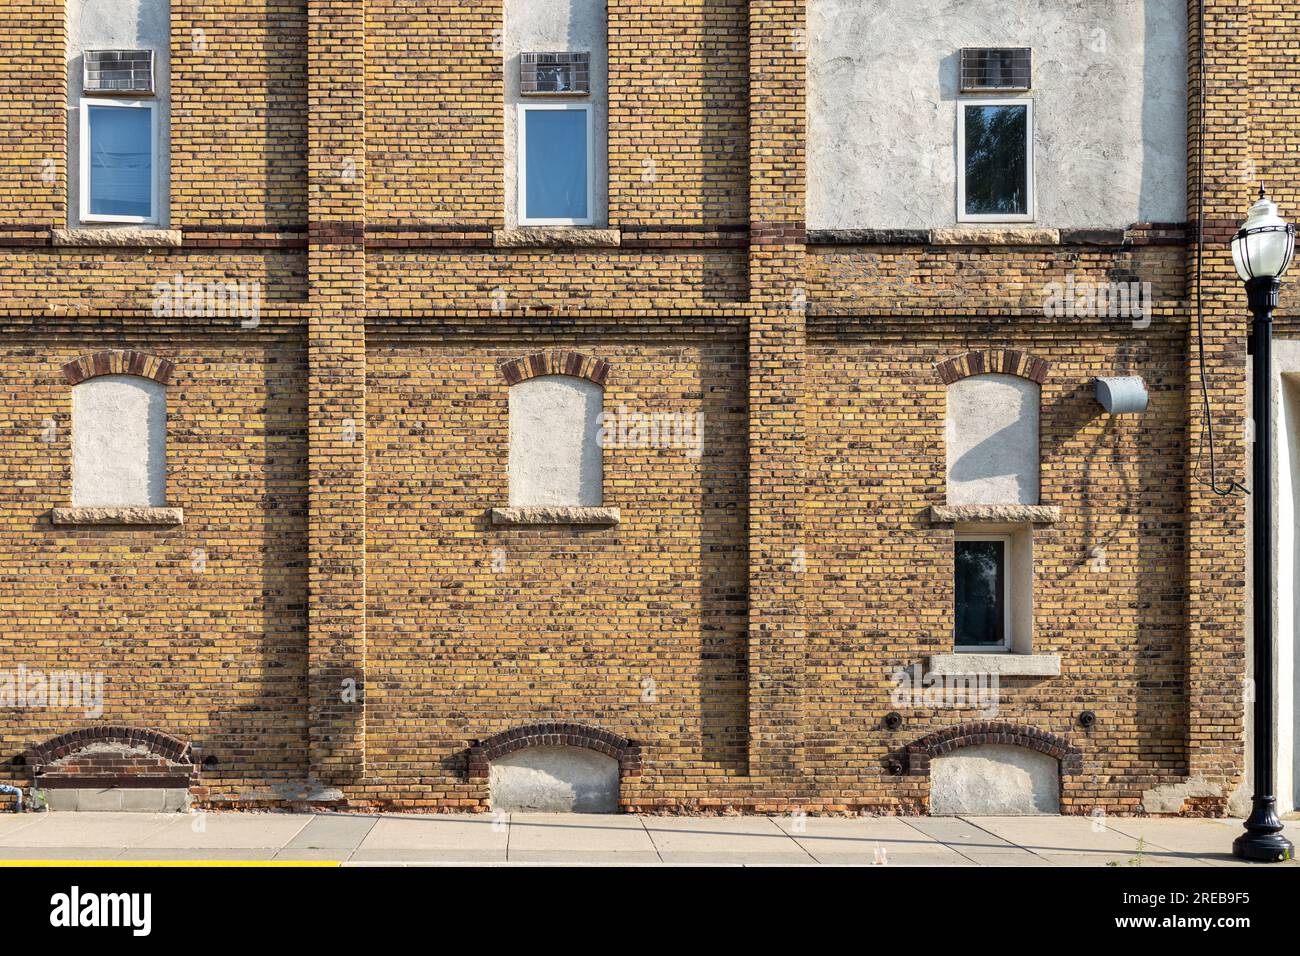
{"x": 121, "y": 161}
{"x": 555, "y": 158}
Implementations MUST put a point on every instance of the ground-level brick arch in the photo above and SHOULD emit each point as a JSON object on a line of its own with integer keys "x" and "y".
{"x": 627, "y": 753}
{"x": 921, "y": 752}
{"x": 555, "y": 363}
{"x": 113, "y": 756}
{"x": 119, "y": 362}
{"x": 994, "y": 361}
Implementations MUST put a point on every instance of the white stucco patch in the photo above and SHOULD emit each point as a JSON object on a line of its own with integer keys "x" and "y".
{"x": 555, "y": 780}
{"x": 555, "y": 454}
{"x": 119, "y": 442}
{"x": 553, "y": 26}
{"x": 1110, "y": 104}
{"x": 119, "y": 25}
{"x": 994, "y": 780}
{"x": 993, "y": 441}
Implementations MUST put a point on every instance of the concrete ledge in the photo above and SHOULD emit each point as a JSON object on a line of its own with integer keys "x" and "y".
{"x": 555, "y": 514}
{"x": 117, "y": 516}
{"x": 122, "y": 237}
{"x": 118, "y": 800}
{"x": 995, "y": 236}
{"x": 1004, "y": 665}
{"x": 995, "y": 514}
{"x": 556, "y": 237}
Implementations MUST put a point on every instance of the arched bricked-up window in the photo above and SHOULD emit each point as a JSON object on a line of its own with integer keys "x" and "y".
{"x": 992, "y": 427}
{"x": 554, "y": 734}
{"x": 119, "y": 430}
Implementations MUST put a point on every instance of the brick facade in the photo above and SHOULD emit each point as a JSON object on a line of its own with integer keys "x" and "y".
{"x": 338, "y": 619}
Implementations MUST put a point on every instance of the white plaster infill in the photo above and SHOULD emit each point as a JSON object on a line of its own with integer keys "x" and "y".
{"x": 1003, "y": 665}
{"x": 117, "y": 516}
{"x": 995, "y": 514}
{"x": 556, "y": 237}
{"x": 556, "y": 514}
{"x": 119, "y": 237}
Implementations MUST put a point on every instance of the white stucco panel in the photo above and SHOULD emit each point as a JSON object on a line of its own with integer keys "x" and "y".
{"x": 992, "y": 433}
{"x": 555, "y": 453}
{"x": 994, "y": 780}
{"x": 1110, "y": 107}
{"x": 555, "y": 780}
{"x": 119, "y": 442}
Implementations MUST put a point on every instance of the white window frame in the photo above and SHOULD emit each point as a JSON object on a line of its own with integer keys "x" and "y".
{"x": 1006, "y": 645}
{"x": 521, "y": 128}
{"x": 139, "y": 104}
{"x": 1031, "y": 193}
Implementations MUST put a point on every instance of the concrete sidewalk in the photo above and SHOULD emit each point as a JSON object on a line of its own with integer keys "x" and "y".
{"x": 521, "y": 838}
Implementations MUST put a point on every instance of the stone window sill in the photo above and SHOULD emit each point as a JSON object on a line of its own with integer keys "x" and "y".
{"x": 118, "y": 237}
{"x": 1003, "y": 665}
{"x": 995, "y": 514}
{"x": 555, "y": 514}
{"x": 117, "y": 516}
{"x": 557, "y": 237}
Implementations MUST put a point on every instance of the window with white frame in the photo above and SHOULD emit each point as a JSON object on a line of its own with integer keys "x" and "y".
{"x": 119, "y": 442}
{"x": 995, "y": 157}
{"x": 555, "y": 164}
{"x": 982, "y": 592}
{"x": 555, "y": 447}
{"x": 119, "y": 150}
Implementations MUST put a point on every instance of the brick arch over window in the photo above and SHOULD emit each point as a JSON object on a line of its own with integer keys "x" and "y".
{"x": 610, "y": 744}
{"x": 119, "y": 362}
{"x": 555, "y": 363}
{"x": 922, "y": 751}
{"x": 113, "y": 756}
{"x": 994, "y": 361}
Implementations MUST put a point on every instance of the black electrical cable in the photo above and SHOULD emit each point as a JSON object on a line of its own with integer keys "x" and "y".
{"x": 1232, "y": 487}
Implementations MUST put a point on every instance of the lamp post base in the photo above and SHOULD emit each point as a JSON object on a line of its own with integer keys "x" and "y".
{"x": 1263, "y": 840}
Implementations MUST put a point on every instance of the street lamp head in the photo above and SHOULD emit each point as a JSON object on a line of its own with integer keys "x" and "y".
{"x": 1263, "y": 248}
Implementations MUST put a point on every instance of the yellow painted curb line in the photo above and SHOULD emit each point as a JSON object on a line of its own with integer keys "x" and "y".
{"x": 131, "y": 863}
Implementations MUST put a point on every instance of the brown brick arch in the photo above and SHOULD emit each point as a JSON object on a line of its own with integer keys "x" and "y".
{"x": 144, "y": 758}
{"x": 922, "y": 751}
{"x": 119, "y": 362}
{"x": 555, "y": 363}
{"x": 1004, "y": 361}
{"x": 610, "y": 744}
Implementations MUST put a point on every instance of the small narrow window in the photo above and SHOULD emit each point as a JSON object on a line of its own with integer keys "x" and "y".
{"x": 982, "y": 591}
{"x": 119, "y": 143}
{"x": 995, "y": 182}
{"x": 555, "y": 185}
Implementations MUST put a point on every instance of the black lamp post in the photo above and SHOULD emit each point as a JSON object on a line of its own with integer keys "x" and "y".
{"x": 1262, "y": 250}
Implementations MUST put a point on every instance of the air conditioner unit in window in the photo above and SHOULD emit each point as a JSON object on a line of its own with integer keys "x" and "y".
{"x": 118, "y": 71}
{"x": 554, "y": 74}
{"x": 1001, "y": 69}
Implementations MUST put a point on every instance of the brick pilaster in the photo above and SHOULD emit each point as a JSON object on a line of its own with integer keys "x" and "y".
{"x": 336, "y": 402}
{"x": 34, "y": 89}
{"x": 1216, "y": 524}
{"x": 776, "y": 373}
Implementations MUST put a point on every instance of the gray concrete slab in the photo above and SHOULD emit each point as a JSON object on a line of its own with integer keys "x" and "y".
{"x": 174, "y": 854}
{"x": 441, "y": 855}
{"x": 334, "y": 831}
{"x": 59, "y": 853}
{"x": 226, "y": 830}
{"x": 586, "y": 857}
{"x": 959, "y": 833}
{"x": 88, "y": 829}
{"x": 1056, "y": 834}
{"x": 588, "y": 833}
{"x": 459, "y": 832}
